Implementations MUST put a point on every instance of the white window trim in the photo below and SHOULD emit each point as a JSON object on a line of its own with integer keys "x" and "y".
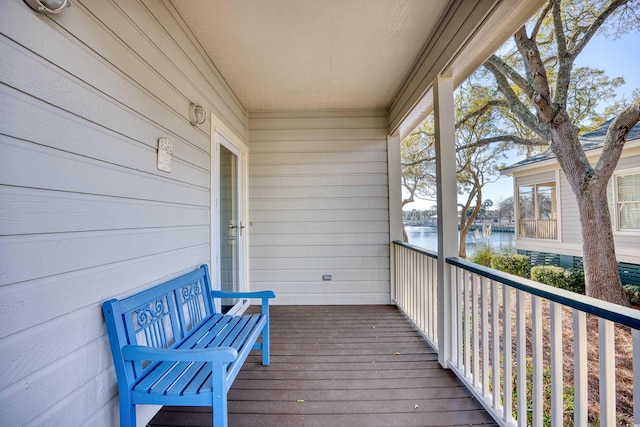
{"x": 558, "y": 205}
{"x": 516, "y": 201}
{"x": 614, "y": 220}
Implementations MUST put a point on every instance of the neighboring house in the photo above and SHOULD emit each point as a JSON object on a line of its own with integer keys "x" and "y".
{"x": 547, "y": 221}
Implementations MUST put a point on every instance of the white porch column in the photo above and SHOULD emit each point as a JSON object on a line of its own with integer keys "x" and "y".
{"x": 447, "y": 207}
{"x": 394, "y": 171}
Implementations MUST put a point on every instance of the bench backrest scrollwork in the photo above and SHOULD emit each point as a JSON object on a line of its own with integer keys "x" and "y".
{"x": 160, "y": 317}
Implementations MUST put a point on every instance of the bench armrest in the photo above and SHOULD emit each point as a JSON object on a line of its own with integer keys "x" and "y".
{"x": 140, "y": 352}
{"x": 258, "y": 294}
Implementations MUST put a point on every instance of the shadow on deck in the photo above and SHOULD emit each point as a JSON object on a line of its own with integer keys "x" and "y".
{"x": 342, "y": 366}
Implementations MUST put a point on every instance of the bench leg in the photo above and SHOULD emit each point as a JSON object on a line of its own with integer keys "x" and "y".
{"x": 266, "y": 346}
{"x": 219, "y": 404}
{"x": 127, "y": 412}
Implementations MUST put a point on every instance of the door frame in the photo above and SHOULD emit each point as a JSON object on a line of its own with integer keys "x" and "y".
{"x": 239, "y": 148}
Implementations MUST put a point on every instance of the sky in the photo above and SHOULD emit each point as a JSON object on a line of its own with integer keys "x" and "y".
{"x": 618, "y": 57}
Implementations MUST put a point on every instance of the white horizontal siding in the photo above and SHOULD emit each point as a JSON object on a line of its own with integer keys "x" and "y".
{"x": 290, "y": 278}
{"x": 35, "y": 211}
{"x": 52, "y": 254}
{"x": 628, "y": 162}
{"x": 318, "y": 206}
{"x": 538, "y": 178}
{"x": 569, "y": 215}
{"x": 85, "y": 213}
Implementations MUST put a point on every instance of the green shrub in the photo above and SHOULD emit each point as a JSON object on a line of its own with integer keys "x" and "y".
{"x": 568, "y": 279}
{"x": 633, "y": 293}
{"x": 483, "y": 257}
{"x": 576, "y": 281}
{"x": 514, "y": 264}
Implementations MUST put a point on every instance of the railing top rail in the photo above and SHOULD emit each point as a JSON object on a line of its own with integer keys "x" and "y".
{"x": 606, "y": 310}
{"x": 418, "y": 249}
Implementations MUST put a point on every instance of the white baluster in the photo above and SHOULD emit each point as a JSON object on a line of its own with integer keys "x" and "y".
{"x": 556, "y": 364}
{"x": 580, "y": 368}
{"x": 607, "y": 373}
{"x": 538, "y": 362}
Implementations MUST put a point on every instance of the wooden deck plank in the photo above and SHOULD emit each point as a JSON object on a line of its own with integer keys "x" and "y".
{"x": 349, "y": 374}
{"x": 434, "y": 419}
{"x": 311, "y": 358}
{"x": 341, "y": 365}
{"x": 340, "y": 395}
{"x": 313, "y": 365}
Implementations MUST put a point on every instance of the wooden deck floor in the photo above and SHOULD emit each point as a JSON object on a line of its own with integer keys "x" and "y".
{"x": 342, "y": 366}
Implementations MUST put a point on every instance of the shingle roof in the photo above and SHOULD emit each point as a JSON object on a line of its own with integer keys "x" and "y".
{"x": 590, "y": 141}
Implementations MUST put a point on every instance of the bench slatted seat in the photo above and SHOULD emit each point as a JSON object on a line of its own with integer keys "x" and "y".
{"x": 170, "y": 347}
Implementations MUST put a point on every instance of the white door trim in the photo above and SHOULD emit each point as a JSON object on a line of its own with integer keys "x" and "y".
{"x": 239, "y": 148}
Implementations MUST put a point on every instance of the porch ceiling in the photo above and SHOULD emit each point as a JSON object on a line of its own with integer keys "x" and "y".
{"x": 310, "y": 54}
{"x": 337, "y": 54}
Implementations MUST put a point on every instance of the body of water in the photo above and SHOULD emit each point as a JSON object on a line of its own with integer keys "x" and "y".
{"x": 427, "y": 237}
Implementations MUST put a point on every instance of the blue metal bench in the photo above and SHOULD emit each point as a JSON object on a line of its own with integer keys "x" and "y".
{"x": 170, "y": 347}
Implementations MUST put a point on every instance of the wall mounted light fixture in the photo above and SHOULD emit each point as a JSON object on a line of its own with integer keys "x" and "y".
{"x": 197, "y": 114}
{"x": 48, "y": 6}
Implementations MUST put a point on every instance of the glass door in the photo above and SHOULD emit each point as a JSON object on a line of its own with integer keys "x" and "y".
{"x": 230, "y": 226}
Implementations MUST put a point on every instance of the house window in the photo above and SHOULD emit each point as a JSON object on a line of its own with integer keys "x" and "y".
{"x": 623, "y": 193}
{"x": 537, "y": 210}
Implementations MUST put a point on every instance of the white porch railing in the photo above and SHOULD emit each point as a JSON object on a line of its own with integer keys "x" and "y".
{"x": 514, "y": 338}
{"x": 538, "y": 228}
{"x": 416, "y": 288}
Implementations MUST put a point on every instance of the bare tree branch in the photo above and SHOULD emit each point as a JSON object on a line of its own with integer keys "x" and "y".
{"x": 535, "y": 66}
{"x": 543, "y": 15}
{"x": 558, "y": 28}
{"x": 507, "y": 71}
{"x": 517, "y": 106}
{"x": 565, "y": 60}
{"x": 505, "y": 138}
{"x": 595, "y": 26}
{"x": 419, "y": 132}
{"x": 480, "y": 111}
{"x": 418, "y": 161}
{"x": 615, "y": 140}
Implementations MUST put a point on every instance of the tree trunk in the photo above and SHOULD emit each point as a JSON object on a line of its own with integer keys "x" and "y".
{"x": 602, "y": 277}
{"x": 462, "y": 249}
{"x": 465, "y": 226}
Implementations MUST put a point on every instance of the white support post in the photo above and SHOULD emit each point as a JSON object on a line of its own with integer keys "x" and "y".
{"x": 394, "y": 174}
{"x": 447, "y": 207}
